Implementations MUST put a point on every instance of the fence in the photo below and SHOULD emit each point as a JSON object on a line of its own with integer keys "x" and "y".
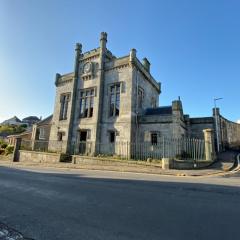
{"x": 42, "y": 146}
{"x": 182, "y": 148}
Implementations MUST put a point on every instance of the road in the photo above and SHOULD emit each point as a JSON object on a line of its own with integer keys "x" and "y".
{"x": 79, "y": 204}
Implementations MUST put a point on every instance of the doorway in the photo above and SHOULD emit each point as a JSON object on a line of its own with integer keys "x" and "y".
{"x": 82, "y": 141}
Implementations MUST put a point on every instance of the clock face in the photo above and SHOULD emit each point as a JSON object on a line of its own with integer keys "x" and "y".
{"x": 87, "y": 67}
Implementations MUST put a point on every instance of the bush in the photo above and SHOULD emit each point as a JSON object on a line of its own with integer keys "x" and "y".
{"x": 9, "y": 149}
{"x": 3, "y": 145}
{"x": 2, "y": 142}
{"x": 2, "y": 151}
{"x": 184, "y": 155}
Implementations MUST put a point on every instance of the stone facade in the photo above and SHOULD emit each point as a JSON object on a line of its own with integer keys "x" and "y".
{"x": 102, "y": 105}
{"x": 108, "y": 99}
{"x": 229, "y": 132}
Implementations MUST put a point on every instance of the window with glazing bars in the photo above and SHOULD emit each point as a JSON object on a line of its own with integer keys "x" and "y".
{"x": 86, "y": 103}
{"x": 64, "y": 100}
{"x": 114, "y": 100}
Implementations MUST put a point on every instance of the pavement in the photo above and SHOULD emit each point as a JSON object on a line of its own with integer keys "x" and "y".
{"x": 52, "y": 204}
{"x": 225, "y": 163}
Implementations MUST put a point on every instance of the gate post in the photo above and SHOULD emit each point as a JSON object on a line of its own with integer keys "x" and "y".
{"x": 15, "y": 157}
{"x": 209, "y": 144}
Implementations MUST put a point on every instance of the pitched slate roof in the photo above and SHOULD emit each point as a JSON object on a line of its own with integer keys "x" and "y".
{"x": 45, "y": 121}
{"x": 13, "y": 119}
{"x": 31, "y": 118}
{"x": 167, "y": 110}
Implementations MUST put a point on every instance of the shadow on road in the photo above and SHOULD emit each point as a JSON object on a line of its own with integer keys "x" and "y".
{"x": 73, "y": 206}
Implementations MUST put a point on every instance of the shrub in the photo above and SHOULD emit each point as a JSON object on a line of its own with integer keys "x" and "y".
{"x": 184, "y": 155}
{"x": 9, "y": 149}
{"x": 2, "y": 142}
{"x": 2, "y": 151}
{"x": 4, "y": 145}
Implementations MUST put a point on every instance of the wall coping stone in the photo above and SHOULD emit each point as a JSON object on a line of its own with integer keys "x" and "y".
{"x": 112, "y": 160}
{"x": 47, "y": 153}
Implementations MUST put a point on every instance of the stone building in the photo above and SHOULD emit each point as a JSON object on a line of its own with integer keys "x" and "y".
{"x": 109, "y": 99}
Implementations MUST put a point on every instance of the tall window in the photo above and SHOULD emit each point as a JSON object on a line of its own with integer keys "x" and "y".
{"x": 64, "y": 99}
{"x": 140, "y": 97}
{"x": 115, "y": 100}
{"x": 153, "y": 103}
{"x": 41, "y": 133}
{"x": 86, "y": 103}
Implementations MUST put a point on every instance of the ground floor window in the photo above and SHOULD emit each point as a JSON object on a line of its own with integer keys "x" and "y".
{"x": 154, "y": 139}
{"x": 41, "y": 133}
{"x": 60, "y": 136}
{"x": 112, "y": 136}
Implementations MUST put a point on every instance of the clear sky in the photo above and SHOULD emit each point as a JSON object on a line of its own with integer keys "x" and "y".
{"x": 193, "y": 47}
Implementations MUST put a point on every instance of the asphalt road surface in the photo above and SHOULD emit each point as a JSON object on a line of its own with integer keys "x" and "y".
{"x": 79, "y": 204}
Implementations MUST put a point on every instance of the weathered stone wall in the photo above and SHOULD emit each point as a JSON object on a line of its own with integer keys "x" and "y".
{"x": 188, "y": 164}
{"x": 63, "y": 85}
{"x": 179, "y": 126}
{"x": 150, "y": 94}
{"x": 40, "y": 157}
{"x": 104, "y": 70}
{"x": 197, "y": 125}
{"x": 122, "y": 123}
{"x": 229, "y": 133}
{"x": 163, "y": 125}
{"x": 89, "y": 80}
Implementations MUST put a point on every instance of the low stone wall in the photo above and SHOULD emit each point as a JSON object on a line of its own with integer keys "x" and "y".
{"x": 229, "y": 134}
{"x": 76, "y": 159}
{"x": 190, "y": 164}
{"x": 39, "y": 157}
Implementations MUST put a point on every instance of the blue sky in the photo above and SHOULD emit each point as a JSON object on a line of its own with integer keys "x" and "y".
{"x": 193, "y": 47}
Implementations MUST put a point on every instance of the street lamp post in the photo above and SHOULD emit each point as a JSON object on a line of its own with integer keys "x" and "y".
{"x": 216, "y": 122}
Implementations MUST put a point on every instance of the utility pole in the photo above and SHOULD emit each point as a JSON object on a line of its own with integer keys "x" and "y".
{"x": 216, "y": 122}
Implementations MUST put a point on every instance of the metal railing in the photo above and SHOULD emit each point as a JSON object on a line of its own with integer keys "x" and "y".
{"x": 182, "y": 148}
{"x": 178, "y": 148}
{"x": 42, "y": 146}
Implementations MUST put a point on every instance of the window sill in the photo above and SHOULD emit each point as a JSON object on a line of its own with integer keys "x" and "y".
{"x": 85, "y": 117}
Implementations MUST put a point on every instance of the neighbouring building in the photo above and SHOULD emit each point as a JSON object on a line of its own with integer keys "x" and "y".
{"x": 25, "y": 136}
{"x": 12, "y": 121}
{"x": 30, "y": 120}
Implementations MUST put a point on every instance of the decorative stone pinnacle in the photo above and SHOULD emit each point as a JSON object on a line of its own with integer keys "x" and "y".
{"x": 103, "y": 36}
{"x": 133, "y": 54}
{"x": 78, "y": 47}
